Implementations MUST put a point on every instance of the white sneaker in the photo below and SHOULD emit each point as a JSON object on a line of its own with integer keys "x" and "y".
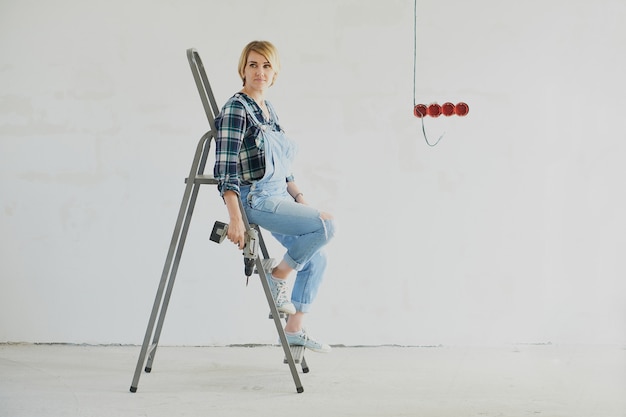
{"x": 278, "y": 288}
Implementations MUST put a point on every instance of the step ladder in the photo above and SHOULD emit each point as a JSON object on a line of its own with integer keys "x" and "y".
{"x": 193, "y": 182}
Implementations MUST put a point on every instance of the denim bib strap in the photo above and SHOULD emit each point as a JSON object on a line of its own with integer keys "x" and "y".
{"x": 249, "y": 110}
{"x": 279, "y": 152}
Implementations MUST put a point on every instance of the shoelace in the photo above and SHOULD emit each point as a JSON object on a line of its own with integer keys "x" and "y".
{"x": 307, "y": 342}
{"x": 304, "y": 336}
{"x": 281, "y": 292}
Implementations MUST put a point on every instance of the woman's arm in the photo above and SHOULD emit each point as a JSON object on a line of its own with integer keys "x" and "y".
{"x": 236, "y": 228}
{"x": 294, "y": 191}
{"x": 231, "y": 126}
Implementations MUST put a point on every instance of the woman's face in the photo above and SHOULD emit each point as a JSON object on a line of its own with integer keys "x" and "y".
{"x": 259, "y": 73}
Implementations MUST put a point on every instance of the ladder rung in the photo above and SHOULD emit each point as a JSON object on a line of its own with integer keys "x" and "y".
{"x": 268, "y": 264}
{"x": 297, "y": 352}
{"x": 203, "y": 179}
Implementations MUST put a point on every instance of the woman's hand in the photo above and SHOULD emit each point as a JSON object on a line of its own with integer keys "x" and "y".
{"x": 237, "y": 233}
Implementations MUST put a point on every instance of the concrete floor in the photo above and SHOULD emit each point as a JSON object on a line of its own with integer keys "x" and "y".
{"x": 521, "y": 380}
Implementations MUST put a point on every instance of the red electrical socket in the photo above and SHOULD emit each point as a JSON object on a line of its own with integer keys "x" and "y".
{"x": 434, "y": 110}
{"x": 461, "y": 109}
{"x": 447, "y": 109}
{"x": 420, "y": 111}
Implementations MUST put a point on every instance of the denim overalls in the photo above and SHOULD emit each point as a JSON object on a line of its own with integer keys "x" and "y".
{"x": 298, "y": 227}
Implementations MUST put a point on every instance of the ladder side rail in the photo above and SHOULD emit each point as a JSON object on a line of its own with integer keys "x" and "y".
{"x": 204, "y": 88}
{"x": 303, "y": 365}
{"x": 264, "y": 251}
{"x": 207, "y": 86}
{"x": 167, "y": 267}
{"x": 179, "y": 250}
{"x": 274, "y": 311}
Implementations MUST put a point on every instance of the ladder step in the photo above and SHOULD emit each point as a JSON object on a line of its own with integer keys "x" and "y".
{"x": 268, "y": 264}
{"x": 297, "y": 352}
{"x": 202, "y": 179}
{"x": 280, "y": 314}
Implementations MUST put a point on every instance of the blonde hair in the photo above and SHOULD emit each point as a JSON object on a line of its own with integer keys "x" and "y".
{"x": 265, "y": 48}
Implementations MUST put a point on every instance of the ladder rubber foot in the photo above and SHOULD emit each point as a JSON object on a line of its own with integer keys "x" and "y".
{"x": 133, "y": 389}
{"x": 148, "y": 370}
{"x": 305, "y": 370}
{"x": 300, "y": 390}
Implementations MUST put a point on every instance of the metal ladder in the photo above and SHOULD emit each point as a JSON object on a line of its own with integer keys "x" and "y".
{"x": 193, "y": 182}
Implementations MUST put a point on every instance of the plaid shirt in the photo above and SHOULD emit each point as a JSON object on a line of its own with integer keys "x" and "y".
{"x": 239, "y": 155}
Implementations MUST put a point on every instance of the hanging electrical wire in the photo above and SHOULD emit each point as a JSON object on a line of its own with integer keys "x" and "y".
{"x": 433, "y": 110}
{"x": 418, "y": 111}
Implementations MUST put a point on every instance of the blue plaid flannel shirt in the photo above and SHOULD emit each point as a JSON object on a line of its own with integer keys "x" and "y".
{"x": 239, "y": 160}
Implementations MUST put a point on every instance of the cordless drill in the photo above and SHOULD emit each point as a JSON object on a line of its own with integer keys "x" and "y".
{"x": 250, "y": 250}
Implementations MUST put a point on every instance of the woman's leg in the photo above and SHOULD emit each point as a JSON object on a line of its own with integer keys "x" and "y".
{"x": 308, "y": 279}
{"x": 305, "y": 289}
{"x": 286, "y": 217}
{"x": 304, "y": 231}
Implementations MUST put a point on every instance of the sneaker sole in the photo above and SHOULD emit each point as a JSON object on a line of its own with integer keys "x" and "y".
{"x": 289, "y": 311}
{"x": 314, "y": 349}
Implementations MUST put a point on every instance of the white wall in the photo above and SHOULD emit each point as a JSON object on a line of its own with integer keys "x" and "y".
{"x": 511, "y": 230}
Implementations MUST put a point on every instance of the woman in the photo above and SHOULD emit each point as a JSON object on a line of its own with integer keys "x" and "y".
{"x": 253, "y": 163}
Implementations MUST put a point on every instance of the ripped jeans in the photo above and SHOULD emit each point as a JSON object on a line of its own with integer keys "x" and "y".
{"x": 301, "y": 230}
